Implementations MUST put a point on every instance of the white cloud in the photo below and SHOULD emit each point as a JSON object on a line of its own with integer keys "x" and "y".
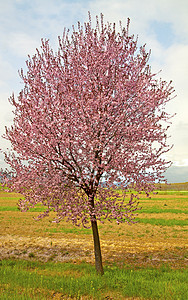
{"x": 177, "y": 62}
{"x": 142, "y": 13}
{"x": 6, "y": 73}
{"x": 22, "y": 44}
{"x": 174, "y": 65}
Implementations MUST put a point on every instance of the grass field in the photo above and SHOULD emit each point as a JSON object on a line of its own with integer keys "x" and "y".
{"x": 147, "y": 260}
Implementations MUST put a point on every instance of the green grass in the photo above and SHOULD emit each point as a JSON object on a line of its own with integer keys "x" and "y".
{"x": 157, "y": 210}
{"x": 8, "y": 208}
{"x": 180, "y": 193}
{"x": 74, "y": 230}
{"x": 15, "y": 208}
{"x": 34, "y": 280}
{"x": 144, "y": 210}
{"x": 163, "y": 222}
{"x": 178, "y": 198}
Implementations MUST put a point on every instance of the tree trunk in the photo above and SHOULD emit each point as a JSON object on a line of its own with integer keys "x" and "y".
{"x": 97, "y": 248}
{"x": 96, "y": 240}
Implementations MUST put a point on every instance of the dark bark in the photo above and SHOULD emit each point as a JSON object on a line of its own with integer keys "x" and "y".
{"x": 96, "y": 240}
{"x": 97, "y": 248}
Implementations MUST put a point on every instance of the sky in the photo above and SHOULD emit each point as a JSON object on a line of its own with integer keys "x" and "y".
{"x": 160, "y": 24}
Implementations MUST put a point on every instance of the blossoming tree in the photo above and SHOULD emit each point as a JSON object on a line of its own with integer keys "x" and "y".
{"x": 89, "y": 117}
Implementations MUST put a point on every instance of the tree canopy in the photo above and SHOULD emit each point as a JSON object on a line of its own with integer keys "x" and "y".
{"x": 91, "y": 116}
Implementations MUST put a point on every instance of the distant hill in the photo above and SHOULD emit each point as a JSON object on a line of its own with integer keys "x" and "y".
{"x": 173, "y": 186}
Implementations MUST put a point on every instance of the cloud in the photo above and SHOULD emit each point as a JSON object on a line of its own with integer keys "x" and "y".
{"x": 177, "y": 63}
{"x": 177, "y": 174}
{"x": 179, "y": 153}
{"x": 22, "y": 44}
{"x": 175, "y": 68}
{"x": 146, "y": 11}
{"x": 6, "y": 73}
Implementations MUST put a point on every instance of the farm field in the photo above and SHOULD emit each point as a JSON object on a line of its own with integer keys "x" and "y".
{"x": 156, "y": 244}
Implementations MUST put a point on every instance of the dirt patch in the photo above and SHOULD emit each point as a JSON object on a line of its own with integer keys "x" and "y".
{"x": 136, "y": 253}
